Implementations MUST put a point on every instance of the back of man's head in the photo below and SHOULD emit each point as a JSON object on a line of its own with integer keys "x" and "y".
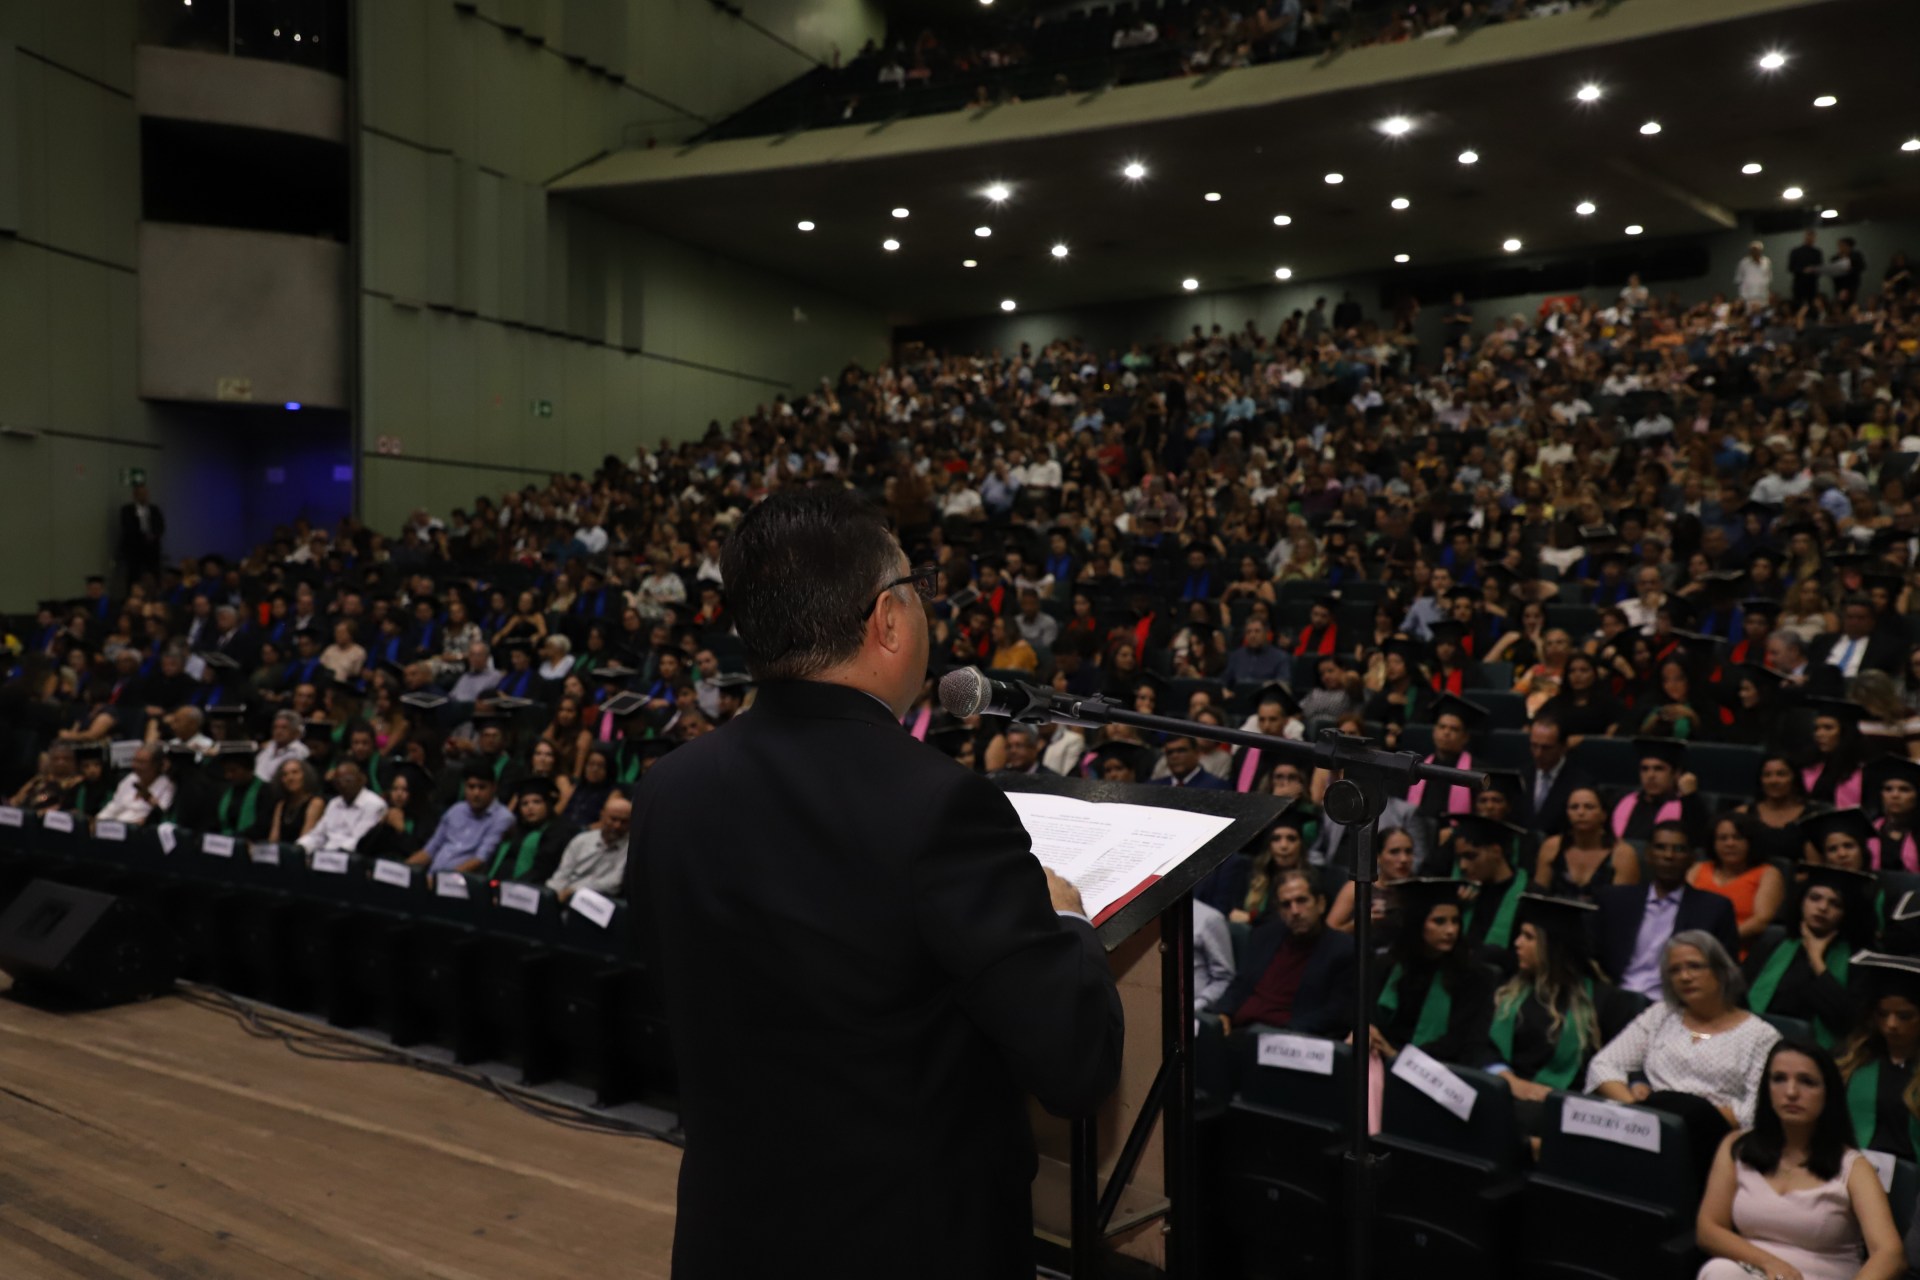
{"x": 803, "y": 571}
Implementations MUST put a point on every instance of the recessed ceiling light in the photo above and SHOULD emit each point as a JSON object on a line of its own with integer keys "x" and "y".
{"x": 1283, "y": 273}
{"x": 1510, "y": 245}
{"x": 1469, "y": 157}
{"x": 1911, "y": 144}
{"x": 804, "y": 225}
{"x": 1401, "y": 202}
{"x": 1189, "y": 284}
{"x": 1750, "y": 168}
{"x": 1792, "y": 193}
{"x": 983, "y": 232}
{"x": 1134, "y": 170}
{"x": 889, "y": 245}
{"x": 1635, "y": 229}
{"x": 1826, "y": 100}
{"x": 997, "y": 192}
{"x": 1282, "y": 220}
{"x": 1402, "y": 257}
{"x": 1059, "y": 251}
{"x": 1335, "y": 179}
{"x": 969, "y": 262}
{"x": 1772, "y": 60}
{"x": 1212, "y": 197}
{"x": 900, "y": 211}
{"x": 1006, "y": 304}
{"x": 1395, "y": 126}
{"x": 1584, "y": 208}
{"x": 1650, "y": 128}
{"x": 1588, "y": 93}
{"x": 1829, "y": 213}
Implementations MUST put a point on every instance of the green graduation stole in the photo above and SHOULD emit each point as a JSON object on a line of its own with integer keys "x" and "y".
{"x": 1863, "y": 1106}
{"x": 249, "y": 806}
{"x": 1560, "y": 1069}
{"x": 499, "y": 766}
{"x": 373, "y": 775}
{"x": 629, "y": 758}
{"x": 522, "y": 857}
{"x": 1500, "y": 932}
{"x": 1435, "y": 1011}
{"x": 1767, "y": 982}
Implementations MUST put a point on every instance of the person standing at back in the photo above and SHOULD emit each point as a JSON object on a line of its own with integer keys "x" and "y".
{"x": 864, "y": 968}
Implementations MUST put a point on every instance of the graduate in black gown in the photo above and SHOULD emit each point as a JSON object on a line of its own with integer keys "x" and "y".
{"x": 1433, "y": 994}
{"x": 1804, "y": 974}
{"x": 1484, "y": 849}
{"x": 1557, "y": 1009}
{"x": 1892, "y": 791}
{"x": 244, "y": 809}
{"x": 1658, "y": 798}
{"x": 1882, "y": 1060}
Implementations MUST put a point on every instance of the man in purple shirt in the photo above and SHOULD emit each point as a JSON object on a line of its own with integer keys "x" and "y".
{"x": 470, "y": 833}
{"x": 1636, "y": 920}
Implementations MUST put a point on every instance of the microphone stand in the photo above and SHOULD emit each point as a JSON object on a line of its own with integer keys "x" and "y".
{"x": 1364, "y": 776}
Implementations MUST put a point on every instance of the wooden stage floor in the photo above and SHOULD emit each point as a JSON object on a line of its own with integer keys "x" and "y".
{"x": 160, "y": 1140}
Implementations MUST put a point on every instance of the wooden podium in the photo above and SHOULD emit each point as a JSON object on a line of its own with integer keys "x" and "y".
{"x": 1124, "y": 1180}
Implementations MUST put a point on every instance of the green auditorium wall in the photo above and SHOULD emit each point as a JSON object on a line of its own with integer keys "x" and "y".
{"x": 505, "y": 333}
{"x": 69, "y": 229}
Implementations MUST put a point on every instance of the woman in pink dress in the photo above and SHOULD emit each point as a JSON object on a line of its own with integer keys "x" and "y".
{"x": 1792, "y": 1198}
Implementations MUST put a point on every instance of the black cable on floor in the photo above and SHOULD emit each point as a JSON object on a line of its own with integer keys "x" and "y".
{"x": 327, "y": 1045}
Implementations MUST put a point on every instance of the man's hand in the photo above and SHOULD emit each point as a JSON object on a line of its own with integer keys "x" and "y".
{"x": 1065, "y": 897}
{"x": 1379, "y": 1043}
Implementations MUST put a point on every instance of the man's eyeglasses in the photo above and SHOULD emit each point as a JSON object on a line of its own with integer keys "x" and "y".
{"x": 926, "y": 583}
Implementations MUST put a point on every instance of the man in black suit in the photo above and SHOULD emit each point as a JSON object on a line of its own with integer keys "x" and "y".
{"x": 1636, "y": 920}
{"x": 1803, "y": 264}
{"x": 1859, "y": 645}
{"x": 1548, "y": 779}
{"x": 142, "y": 526}
{"x": 1298, "y": 973}
{"x": 865, "y": 969}
{"x": 1184, "y": 770}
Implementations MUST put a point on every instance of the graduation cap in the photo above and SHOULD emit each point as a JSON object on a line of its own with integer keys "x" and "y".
{"x": 654, "y": 748}
{"x": 217, "y": 660}
{"x": 951, "y": 738}
{"x": 537, "y": 785}
{"x": 1407, "y": 647}
{"x": 394, "y": 669}
{"x": 90, "y": 750}
{"x": 1701, "y": 648}
{"x": 1471, "y": 714}
{"x": 732, "y": 680}
{"x": 241, "y": 751}
{"x": 1886, "y": 539}
{"x": 1724, "y": 581}
{"x": 1771, "y": 555}
{"x": 614, "y": 672}
{"x": 1754, "y": 507}
{"x": 1463, "y": 593}
{"x": 1854, "y": 886}
{"x": 1817, "y": 827}
{"x": 1890, "y": 769}
{"x": 417, "y": 779}
{"x": 1761, "y": 605}
{"x": 177, "y": 750}
{"x": 1887, "y": 975}
{"x": 517, "y": 644}
{"x": 1765, "y": 679}
{"x": 1847, "y": 713}
{"x": 1485, "y": 833}
{"x": 1417, "y": 896}
{"x": 1508, "y": 783}
{"x": 622, "y": 705}
{"x": 1565, "y": 921}
{"x": 1447, "y": 632}
{"x": 424, "y": 700}
{"x": 1135, "y": 757}
{"x": 1277, "y": 692}
{"x": 1598, "y": 533}
{"x": 314, "y": 727}
{"x": 1153, "y": 678}
{"x": 1328, "y": 600}
{"x": 1672, "y": 751}
{"x": 227, "y": 711}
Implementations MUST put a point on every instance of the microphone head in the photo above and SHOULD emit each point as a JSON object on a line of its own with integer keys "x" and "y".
{"x": 965, "y": 692}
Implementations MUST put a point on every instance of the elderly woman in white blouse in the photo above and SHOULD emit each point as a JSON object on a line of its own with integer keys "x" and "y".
{"x": 1702, "y": 1055}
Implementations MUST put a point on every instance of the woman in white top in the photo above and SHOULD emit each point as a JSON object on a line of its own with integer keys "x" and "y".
{"x": 1805, "y": 613}
{"x": 557, "y": 652}
{"x": 1700, "y": 1051}
{"x": 1791, "y": 1199}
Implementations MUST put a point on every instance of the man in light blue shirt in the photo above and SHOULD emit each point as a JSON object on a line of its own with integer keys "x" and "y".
{"x": 469, "y": 833}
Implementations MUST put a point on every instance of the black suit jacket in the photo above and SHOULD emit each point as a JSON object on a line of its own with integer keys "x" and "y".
{"x": 1884, "y": 653}
{"x": 139, "y": 549}
{"x": 1323, "y": 1006}
{"x": 1623, "y": 906}
{"x": 1551, "y": 820}
{"x": 864, "y": 979}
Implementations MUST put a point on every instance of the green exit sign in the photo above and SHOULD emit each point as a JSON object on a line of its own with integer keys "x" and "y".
{"x": 540, "y": 408}
{"x": 130, "y": 476}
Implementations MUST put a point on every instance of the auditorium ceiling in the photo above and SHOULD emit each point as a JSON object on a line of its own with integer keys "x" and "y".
{"x": 1542, "y": 155}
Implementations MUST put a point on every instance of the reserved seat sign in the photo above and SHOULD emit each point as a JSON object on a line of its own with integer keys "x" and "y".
{"x": 1297, "y": 1053}
{"x": 1610, "y": 1122}
{"x": 1426, "y": 1073}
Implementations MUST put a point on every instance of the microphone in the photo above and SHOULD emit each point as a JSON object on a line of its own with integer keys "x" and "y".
{"x": 967, "y": 691}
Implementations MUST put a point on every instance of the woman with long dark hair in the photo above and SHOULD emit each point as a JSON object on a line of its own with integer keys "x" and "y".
{"x": 582, "y": 808}
{"x": 1395, "y": 863}
{"x": 1881, "y": 1063}
{"x": 1587, "y": 857}
{"x": 1804, "y": 973}
{"x": 1780, "y": 802}
{"x": 1791, "y": 1196}
{"x": 1432, "y": 994}
{"x": 1752, "y": 716}
{"x": 1403, "y": 695}
{"x": 1831, "y": 770}
{"x": 1583, "y": 706}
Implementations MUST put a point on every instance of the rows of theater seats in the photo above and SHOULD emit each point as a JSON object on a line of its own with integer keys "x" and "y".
{"x": 489, "y": 972}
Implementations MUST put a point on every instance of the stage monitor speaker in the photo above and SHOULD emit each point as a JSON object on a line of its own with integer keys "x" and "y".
{"x": 75, "y": 948}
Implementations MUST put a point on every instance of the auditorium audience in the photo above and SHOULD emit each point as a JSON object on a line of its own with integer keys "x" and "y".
{"x": 143, "y": 792}
{"x": 471, "y": 832}
{"x": 596, "y": 858}
{"x": 1298, "y": 973}
{"x": 1735, "y": 872}
{"x": 1636, "y": 924}
{"x": 353, "y": 811}
{"x": 297, "y": 802}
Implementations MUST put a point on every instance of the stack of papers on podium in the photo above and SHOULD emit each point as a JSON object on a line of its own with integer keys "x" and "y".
{"x": 1111, "y": 852}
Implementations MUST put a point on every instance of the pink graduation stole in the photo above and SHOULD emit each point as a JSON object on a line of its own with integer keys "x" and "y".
{"x": 1845, "y": 796}
{"x": 1249, "y": 769}
{"x": 1623, "y": 813}
{"x": 921, "y": 719}
{"x": 1459, "y": 799}
{"x": 1909, "y": 856}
